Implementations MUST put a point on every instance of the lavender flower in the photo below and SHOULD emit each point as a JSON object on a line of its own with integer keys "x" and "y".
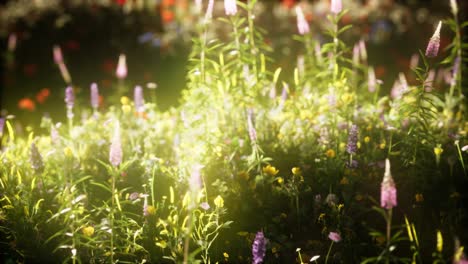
{"x": 138, "y": 99}
{"x": 230, "y": 7}
{"x": 252, "y": 131}
{"x": 57, "y": 51}
{"x": 36, "y": 159}
{"x": 259, "y": 248}
{"x": 94, "y": 95}
{"x": 363, "y": 50}
{"x": 209, "y": 11}
{"x": 434, "y": 43}
{"x": 372, "y": 81}
{"x": 121, "y": 70}
{"x": 205, "y": 206}
{"x": 302, "y": 25}
{"x": 54, "y": 135}
{"x": 336, "y": 6}
{"x": 69, "y": 97}
{"x": 351, "y": 147}
{"x": 335, "y": 237}
{"x": 2, "y": 124}
{"x": 115, "y": 154}
{"x": 388, "y": 192}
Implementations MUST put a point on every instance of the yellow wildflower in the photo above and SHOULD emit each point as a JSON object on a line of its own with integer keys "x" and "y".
{"x": 344, "y": 181}
{"x": 330, "y": 153}
{"x": 270, "y": 170}
{"x": 219, "y": 201}
{"x": 280, "y": 180}
{"x": 419, "y": 198}
{"x": 126, "y": 109}
{"x": 88, "y": 231}
{"x": 321, "y": 217}
{"x": 151, "y": 210}
{"x": 342, "y": 146}
{"x": 367, "y": 139}
{"x": 438, "y": 150}
{"x": 226, "y": 255}
{"x": 124, "y": 100}
{"x": 382, "y": 145}
{"x": 340, "y": 207}
{"x": 68, "y": 152}
{"x": 296, "y": 171}
{"x": 440, "y": 241}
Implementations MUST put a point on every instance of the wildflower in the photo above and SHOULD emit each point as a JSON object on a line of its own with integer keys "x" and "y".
{"x": 314, "y": 258}
{"x": 251, "y": 127}
{"x": 280, "y": 180}
{"x": 58, "y": 57}
{"x": 270, "y": 170}
{"x": 440, "y": 242}
{"x": 2, "y": 124}
{"x": 330, "y": 153}
{"x": 219, "y": 201}
{"x": 94, "y": 96}
{"x": 331, "y": 199}
{"x": 121, "y": 70}
{"x": 363, "y": 50}
{"x": 42, "y": 95}
{"x": 205, "y": 206}
{"x": 356, "y": 54}
{"x": 367, "y": 139}
{"x": 302, "y": 25}
{"x": 69, "y": 97}
{"x": 335, "y": 237}
{"x": 209, "y": 11}
{"x": 230, "y": 7}
{"x": 259, "y": 248}
{"x": 351, "y": 147}
{"x": 226, "y": 255}
{"x": 124, "y": 100}
{"x": 296, "y": 171}
{"x": 336, "y": 6}
{"x": 419, "y": 197}
{"x": 36, "y": 159}
{"x": 133, "y": 196}
{"x": 115, "y": 154}
{"x": 438, "y": 150}
{"x": 26, "y": 104}
{"x": 388, "y": 192}
{"x": 454, "y": 7}
{"x": 88, "y": 231}
{"x": 138, "y": 99}
{"x": 12, "y": 42}
{"x": 434, "y": 43}
{"x": 149, "y": 210}
{"x": 195, "y": 180}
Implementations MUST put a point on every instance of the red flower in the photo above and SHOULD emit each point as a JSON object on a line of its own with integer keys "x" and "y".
{"x": 121, "y": 2}
{"x": 167, "y": 16}
{"x": 26, "y": 104}
{"x": 42, "y": 95}
{"x": 288, "y": 3}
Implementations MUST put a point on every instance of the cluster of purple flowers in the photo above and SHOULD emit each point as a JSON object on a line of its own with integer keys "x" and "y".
{"x": 351, "y": 147}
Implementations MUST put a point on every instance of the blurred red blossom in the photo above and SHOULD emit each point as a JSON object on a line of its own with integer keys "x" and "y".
{"x": 26, "y": 104}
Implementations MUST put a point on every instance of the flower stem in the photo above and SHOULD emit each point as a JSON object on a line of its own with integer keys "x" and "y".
{"x": 328, "y": 254}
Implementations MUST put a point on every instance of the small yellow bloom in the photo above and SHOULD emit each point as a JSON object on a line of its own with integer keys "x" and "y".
{"x": 419, "y": 198}
{"x": 344, "y": 181}
{"x": 124, "y": 100}
{"x": 280, "y": 180}
{"x": 151, "y": 210}
{"x": 367, "y": 139}
{"x": 358, "y": 145}
{"x": 161, "y": 244}
{"x": 68, "y": 152}
{"x": 321, "y": 217}
{"x": 440, "y": 241}
{"x": 340, "y": 207}
{"x": 226, "y": 255}
{"x": 342, "y": 146}
{"x": 219, "y": 201}
{"x": 330, "y": 153}
{"x": 382, "y": 145}
{"x": 270, "y": 170}
{"x": 438, "y": 150}
{"x": 88, "y": 231}
{"x": 296, "y": 171}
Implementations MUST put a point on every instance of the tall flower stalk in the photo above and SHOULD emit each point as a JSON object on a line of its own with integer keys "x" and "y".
{"x": 388, "y": 200}
{"x": 70, "y": 102}
{"x": 115, "y": 158}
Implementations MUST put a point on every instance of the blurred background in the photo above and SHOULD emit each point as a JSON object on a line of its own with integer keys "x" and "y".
{"x": 155, "y": 37}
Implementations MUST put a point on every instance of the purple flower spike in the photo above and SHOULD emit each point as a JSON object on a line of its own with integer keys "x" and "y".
{"x": 250, "y": 124}
{"x": 121, "y": 70}
{"x": 115, "y": 154}
{"x": 138, "y": 99}
{"x": 36, "y": 159}
{"x": 388, "y": 192}
{"x": 336, "y": 6}
{"x": 230, "y": 7}
{"x": 69, "y": 97}
{"x": 433, "y": 47}
{"x": 302, "y": 25}
{"x": 258, "y": 248}
{"x": 94, "y": 95}
{"x": 58, "y": 57}
{"x": 351, "y": 147}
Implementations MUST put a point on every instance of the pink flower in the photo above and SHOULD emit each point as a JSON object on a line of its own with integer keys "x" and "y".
{"x": 121, "y": 71}
{"x": 58, "y": 57}
{"x": 371, "y": 81}
{"x": 388, "y": 192}
{"x": 302, "y": 25}
{"x": 336, "y": 6}
{"x": 230, "y": 7}
{"x": 94, "y": 95}
{"x": 335, "y": 237}
{"x": 434, "y": 43}
{"x": 115, "y": 154}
